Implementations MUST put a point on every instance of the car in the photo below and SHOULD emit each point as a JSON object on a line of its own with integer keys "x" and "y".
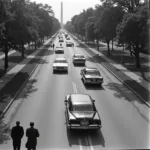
{"x": 81, "y": 112}
{"x": 68, "y": 38}
{"x": 61, "y": 40}
{"x": 91, "y": 76}
{"x": 69, "y": 44}
{"x": 59, "y": 49}
{"x": 60, "y": 64}
{"x": 78, "y": 59}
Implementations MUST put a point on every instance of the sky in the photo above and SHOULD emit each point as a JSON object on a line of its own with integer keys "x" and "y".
{"x": 70, "y": 7}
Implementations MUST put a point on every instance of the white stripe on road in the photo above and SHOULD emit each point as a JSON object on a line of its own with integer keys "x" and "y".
{"x": 87, "y": 143}
{"x": 69, "y": 66}
{"x": 74, "y": 87}
{"x": 80, "y": 144}
{"x": 90, "y": 143}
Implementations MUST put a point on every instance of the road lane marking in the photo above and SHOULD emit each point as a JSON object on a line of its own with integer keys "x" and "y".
{"x": 74, "y": 87}
{"x": 87, "y": 143}
{"x": 80, "y": 144}
{"x": 69, "y": 66}
{"x": 90, "y": 143}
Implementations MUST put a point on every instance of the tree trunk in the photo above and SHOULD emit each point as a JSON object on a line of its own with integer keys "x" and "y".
{"x": 137, "y": 57}
{"x": 35, "y": 45}
{"x": 108, "y": 48}
{"x": 112, "y": 45}
{"x": 22, "y": 48}
{"x": 97, "y": 42}
{"x": 6, "y": 57}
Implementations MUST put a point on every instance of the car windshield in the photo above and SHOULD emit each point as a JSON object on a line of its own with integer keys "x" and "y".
{"x": 84, "y": 107}
{"x": 59, "y": 48}
{"x": 60, "y": 61}
{"x": 92, "y": 72}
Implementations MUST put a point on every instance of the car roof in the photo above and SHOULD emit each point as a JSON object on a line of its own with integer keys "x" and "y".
{"x": 60, "y": 58}
{"x": 78, "y": 54}
{"x": 91, "y": 69}
{"x": 78, "y": 99}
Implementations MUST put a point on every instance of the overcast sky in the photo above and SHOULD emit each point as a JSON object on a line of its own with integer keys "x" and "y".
{"x": 70, "y": 7}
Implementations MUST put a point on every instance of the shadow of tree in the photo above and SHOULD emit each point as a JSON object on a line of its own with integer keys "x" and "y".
{"x": 4, "y": 132}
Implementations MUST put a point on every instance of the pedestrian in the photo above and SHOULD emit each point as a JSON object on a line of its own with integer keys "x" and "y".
{"x": 17, "y": 133}
{"x": 32, "y": 135}
{"x": 53, "y": 46}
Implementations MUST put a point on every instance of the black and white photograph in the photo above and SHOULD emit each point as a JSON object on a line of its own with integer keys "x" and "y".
{"x": 74, "y": 74}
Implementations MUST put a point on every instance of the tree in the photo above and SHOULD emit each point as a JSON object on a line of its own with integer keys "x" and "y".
{"x": 134, "y": 30}
{"x": 108, "y": 22}
{"x": 5, "y": 18}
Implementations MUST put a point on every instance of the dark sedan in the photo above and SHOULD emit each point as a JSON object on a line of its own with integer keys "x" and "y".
{"x": 81, "y": 112}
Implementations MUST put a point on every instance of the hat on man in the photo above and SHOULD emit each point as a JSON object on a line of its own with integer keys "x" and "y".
{"x": 31, "y": 124}
{"x": 17, "y": 122}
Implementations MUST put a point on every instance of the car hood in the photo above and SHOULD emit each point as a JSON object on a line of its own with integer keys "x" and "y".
{"x": 60, "y": 65}
{"x": 83, "y": 115}
{"x": 93, "y": 76}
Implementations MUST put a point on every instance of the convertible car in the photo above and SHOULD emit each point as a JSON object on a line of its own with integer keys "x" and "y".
{"x": 60, "y": 64}
{"x": 91, "y": 76}
{"x": 81, "y": 112}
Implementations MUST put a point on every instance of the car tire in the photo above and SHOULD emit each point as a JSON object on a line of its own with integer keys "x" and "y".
{"x": 53, "y": 72}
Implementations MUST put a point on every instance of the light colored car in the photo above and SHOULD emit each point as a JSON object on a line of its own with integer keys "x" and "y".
{"x": 91, "y": 76}
{"x": 78, "y": 59}
{"x": 81, "y": 112}
{"x": 60, "y": 64}
{"x": 69, "y": 44}
{"x": 59, "y": 49}
{"x": 61, "y": 40}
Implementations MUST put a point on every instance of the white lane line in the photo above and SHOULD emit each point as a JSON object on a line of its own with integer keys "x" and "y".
{"x": 87, "y": 143}
{"x": 80, "y": 144}
{"x": 69, "y": 66}
{"x": 90, "y": 143}
{"x": 74, "y": 87}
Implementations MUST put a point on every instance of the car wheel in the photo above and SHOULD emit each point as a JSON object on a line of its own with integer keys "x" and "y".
{"x": 53, "y": 72}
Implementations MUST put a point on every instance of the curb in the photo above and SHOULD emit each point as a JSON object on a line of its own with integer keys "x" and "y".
{"x": 118, "y": 78}
{"x": 17, "y": 93}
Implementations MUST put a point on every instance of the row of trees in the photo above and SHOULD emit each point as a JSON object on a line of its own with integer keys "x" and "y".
{"x": 23, "y": 22}
{"x": 126, "y": 21}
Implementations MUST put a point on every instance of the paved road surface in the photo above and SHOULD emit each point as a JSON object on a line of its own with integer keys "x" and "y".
{"x": 124, "y": 120}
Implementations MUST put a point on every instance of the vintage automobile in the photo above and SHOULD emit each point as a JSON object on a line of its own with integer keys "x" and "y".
{"x": 67, "y": 38}
{"x": 81, "y": 112}
{"x": 60, "y": 64}
{"x": 69, "y": 44}
{"x": 91, "y": 76}
{"x": 59, "y": 49}
{"x": 78, "y": 59}
{"x": 61, "y": 40}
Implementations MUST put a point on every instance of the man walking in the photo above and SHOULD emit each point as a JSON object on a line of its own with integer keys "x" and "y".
{"x": 53, "y": 46}
{"x": 17, "y": 133}
{"x": 32, "y": 135}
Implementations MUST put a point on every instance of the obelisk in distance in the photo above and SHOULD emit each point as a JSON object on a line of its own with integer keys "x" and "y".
{"x": 61, "y": 15}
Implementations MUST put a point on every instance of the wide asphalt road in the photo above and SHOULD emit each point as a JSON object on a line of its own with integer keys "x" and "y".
{"x": 125, "y": 121}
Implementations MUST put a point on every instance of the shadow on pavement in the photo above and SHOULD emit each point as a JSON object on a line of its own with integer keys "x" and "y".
{"x": 84, "y": 137}
{"x": 4, "y": 132}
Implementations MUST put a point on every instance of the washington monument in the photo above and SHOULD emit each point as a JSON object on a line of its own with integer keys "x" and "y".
{"x": 61, "y": 15}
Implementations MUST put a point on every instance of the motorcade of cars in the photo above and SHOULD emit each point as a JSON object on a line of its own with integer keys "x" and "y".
{"x": 59, "y": 49}
{"x": 69, "y": 44}
{"x": 81, "y": 112}
{"x": 60, "y": 64}
{"x": 91, "y": 76}
{"x": 78, "y": 59}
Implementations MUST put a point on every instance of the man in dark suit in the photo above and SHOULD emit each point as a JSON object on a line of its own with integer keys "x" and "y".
{"x": 17, "y": 133}
{"x": 32, "y": 135}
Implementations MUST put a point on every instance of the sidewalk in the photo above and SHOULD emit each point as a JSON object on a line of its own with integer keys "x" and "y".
{"x": 134, "y": 81}
{"x": 13, "y": 80}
